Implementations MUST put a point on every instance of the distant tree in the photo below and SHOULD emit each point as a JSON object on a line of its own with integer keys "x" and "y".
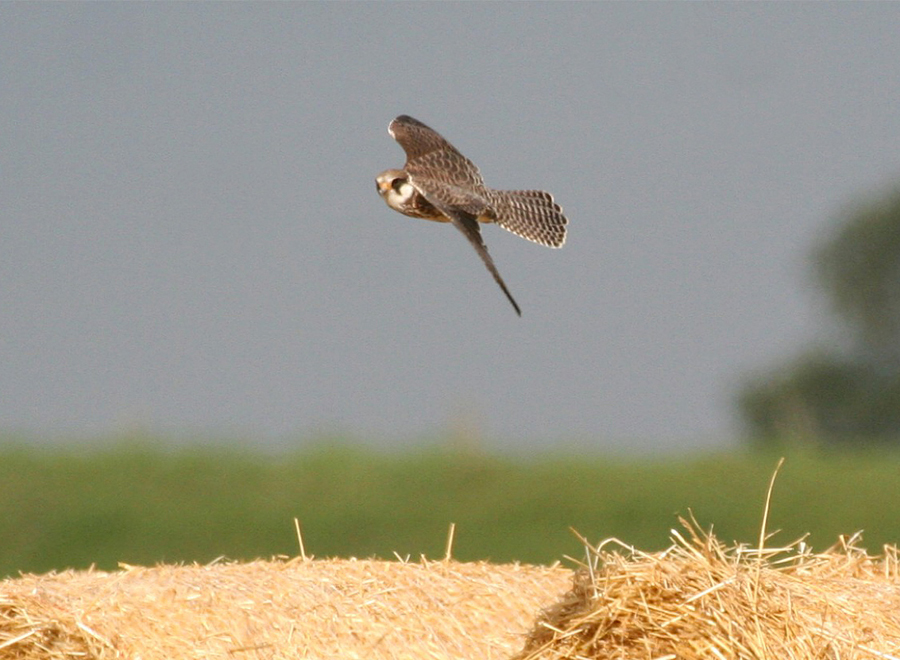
{"x": 854, "y": 396}
{"x": 859, "y": 268}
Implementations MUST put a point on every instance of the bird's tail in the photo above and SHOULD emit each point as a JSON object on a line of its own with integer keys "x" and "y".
{"x": 531, "y": 214}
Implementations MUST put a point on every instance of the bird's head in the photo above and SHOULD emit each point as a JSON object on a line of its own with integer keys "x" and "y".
{"x": 395, "y": 188}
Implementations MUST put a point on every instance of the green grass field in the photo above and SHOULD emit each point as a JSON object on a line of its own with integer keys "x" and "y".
{"x": 139, "y": 505}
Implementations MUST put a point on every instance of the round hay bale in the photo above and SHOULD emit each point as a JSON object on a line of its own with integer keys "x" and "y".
{"x": 700, "y": 600}
{"x": 277, "y": 609}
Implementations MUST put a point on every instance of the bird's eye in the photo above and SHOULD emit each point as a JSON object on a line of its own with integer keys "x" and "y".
{"x": 396, "y": 183}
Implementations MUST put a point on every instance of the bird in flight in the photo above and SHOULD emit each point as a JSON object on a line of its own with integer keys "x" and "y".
{"x": 439, "y": 183}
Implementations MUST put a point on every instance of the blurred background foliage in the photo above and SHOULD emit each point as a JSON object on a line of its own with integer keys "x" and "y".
{"x": 152, "y": 502}
{"x": 847, "y": 394}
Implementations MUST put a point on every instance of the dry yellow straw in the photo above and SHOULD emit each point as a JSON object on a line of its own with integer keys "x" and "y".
{"x": 699, "y": 599}
{"x": 349, "y": 609}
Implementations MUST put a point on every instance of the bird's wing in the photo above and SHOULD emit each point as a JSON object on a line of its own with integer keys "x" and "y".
{"x": 427, "y": 152}
{"x": 447, "y": 196}
{"x": 468, "y": 225}
{"x": 416, "y": 138}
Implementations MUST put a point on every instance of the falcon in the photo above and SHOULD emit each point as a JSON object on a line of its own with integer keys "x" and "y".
{"x": 439, "y": 183}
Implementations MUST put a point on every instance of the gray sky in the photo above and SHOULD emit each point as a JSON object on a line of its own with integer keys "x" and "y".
{"x": 191, "y": 241}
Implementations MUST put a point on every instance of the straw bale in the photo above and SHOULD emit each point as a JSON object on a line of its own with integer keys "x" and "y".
{"x": 277, "y": 609}
{"x": 702, "y": 600}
